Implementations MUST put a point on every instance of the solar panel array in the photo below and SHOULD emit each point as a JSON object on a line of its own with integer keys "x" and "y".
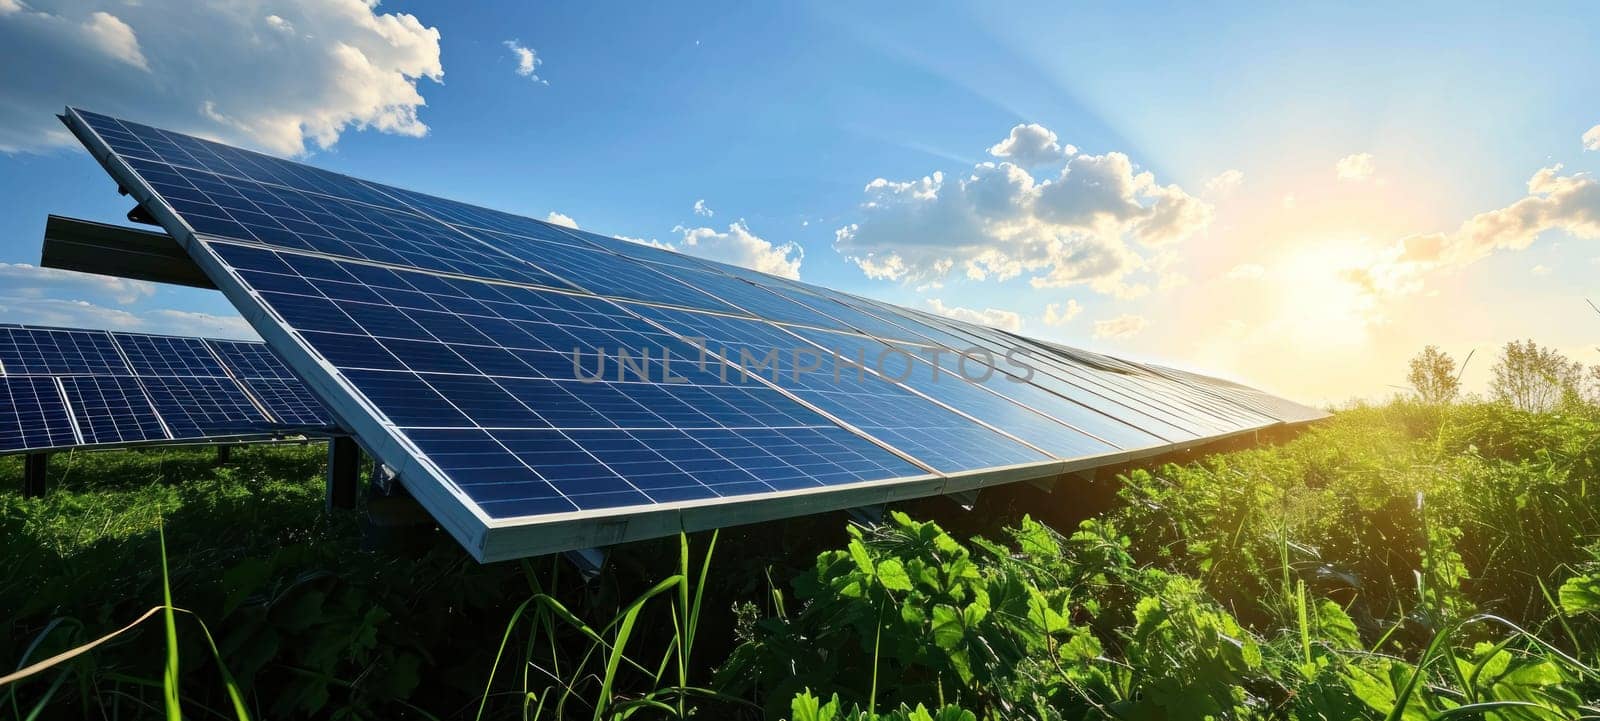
{"x": 467, "y": 348}
{"x": 65, "y": 388}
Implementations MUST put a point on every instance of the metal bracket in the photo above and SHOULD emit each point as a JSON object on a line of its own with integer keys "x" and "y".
{"x": 139, "y": 215}
{"x": 966, "y": 499}
{"x": 1048, "y": 485}
{"x": 589, "y": 561}
{"x": 867, "y": 515}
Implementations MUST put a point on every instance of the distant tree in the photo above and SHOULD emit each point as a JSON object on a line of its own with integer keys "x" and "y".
{"x": 1534, "y": 378}
{"x": 1433, "y": 376}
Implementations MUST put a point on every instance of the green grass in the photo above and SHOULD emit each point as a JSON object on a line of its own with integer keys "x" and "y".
{"x": 1400, "y": 561}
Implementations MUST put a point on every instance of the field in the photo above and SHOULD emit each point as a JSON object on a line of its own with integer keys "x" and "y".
{"x": 1405, "y": 561}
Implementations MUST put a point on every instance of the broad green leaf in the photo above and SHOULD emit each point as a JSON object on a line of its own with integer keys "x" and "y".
{"x": 1580, "y": 594}
{"x": 892, "y": 574}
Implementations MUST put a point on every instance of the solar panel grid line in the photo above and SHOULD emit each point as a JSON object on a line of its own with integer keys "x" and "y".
{"x": 245, "y": 389}
{"x": 889, "y": 446}
{"x": 109, "y": 403}
{"x": 179, "y": 370}
{"x": 1109, "y": 386}
{"x": 453, "y": 508}
{"x": 842, "y": 324}
{"x": 33, "y": 415}
{"x": 991, "y": 427}
{"x": 1221, "y": 416}
{"x": 1218, "y": 406}
{"x": 221, "y": 208}
{"x": 623, "y": 309}
{"x": 842, "y": 423}
{"x": 574, "y": 240}
{"x": 1075, "y": 398}
{"x": 916, "y": 362}
{"x": 166, "y": 430}
{"x": 893, "y": 436}
{"x": 424, "y": 489}
{"x": 423, "y": 226}
{"x": 984, "y": 387}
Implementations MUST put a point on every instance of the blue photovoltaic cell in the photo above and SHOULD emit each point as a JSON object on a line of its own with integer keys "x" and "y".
{"x": 1086, "y": 385}
{"x": 195, "y": 407}
{"x": 118, "y": 388}
{"x": 32, "y": 414}
{"x": 112, "y": 409}
{"x": 1108, "y": 390}
{"x": 1047, "y": 421}
{"x": 886, "y": 410}
{"x": 28, "y": 351}
{"x": 481, "y": 377}
{"x": 134, "y": 141}
{"x": 538, "y": 369}
{"x": 156, "y": 355}
{"x": 611, "y": 274}
{"x": 271, "y": 383}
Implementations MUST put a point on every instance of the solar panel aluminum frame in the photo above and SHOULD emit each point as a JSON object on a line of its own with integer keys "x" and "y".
{"x": 485, "y": 538}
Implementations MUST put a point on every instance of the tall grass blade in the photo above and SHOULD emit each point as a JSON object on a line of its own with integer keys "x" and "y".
{"x": 624, "y": 631}
{"x": 170, "y": 677}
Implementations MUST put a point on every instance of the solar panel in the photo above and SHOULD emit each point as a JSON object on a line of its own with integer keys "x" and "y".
{"x": 467, "y": 347}
{"x": 70, "y": 387}
{"x": 33, "y": 414}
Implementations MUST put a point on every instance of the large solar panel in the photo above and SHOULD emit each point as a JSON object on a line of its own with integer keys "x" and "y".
{"x": 540, "y": 388}
{"x": 68, "y": 387}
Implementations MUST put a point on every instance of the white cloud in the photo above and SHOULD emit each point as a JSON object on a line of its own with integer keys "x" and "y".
{"x": 1355, "y": 167}
{"x": 185, "y": 322}
{"x": 701, "y": 209}
{"x": 114, "y": 38}
{"x": 1540, "y": 269}
{"x": 1246, "y": 271}
{"x": 66, "y": 313}
{"x": 222, "y": 69}
{"x": 1030, "y": 145}
{"x": 1290, "y": 202}
{"x": 1555, "y": 202}
{"x": 992, "y": 317}
{"x": 277, "y": 23}
{"x": 1225, "y": 183}
{"x": 1122, "y": 326}
{"x": 740, "y": 247}
{"x": 528, "y": 61}
{"x": 1591, "y": 139}
{"x": 28, "y": 281}
{"x": 78, "y": 313}
{"x": 1057, "y": 314}
{"x": 555, "y": 218}
{"x": 1087, "y": 224}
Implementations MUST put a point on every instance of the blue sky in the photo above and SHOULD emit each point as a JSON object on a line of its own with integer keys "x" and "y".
{"x": 1244, "y": 250}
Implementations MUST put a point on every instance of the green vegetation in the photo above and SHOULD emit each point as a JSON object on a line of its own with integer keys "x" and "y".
{"x": 1408, "y": 561}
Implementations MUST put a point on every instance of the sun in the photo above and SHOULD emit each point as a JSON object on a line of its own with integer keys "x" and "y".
{"x": 1328, "y": 292}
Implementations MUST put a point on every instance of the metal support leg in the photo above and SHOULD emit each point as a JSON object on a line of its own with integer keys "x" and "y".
{"x": 224, "y": 454}
{"x": 344, "y": 458}
{"x": 33, "y": 470}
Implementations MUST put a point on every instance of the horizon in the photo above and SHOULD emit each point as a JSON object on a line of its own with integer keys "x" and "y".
{"x": 1306, "y": 244}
